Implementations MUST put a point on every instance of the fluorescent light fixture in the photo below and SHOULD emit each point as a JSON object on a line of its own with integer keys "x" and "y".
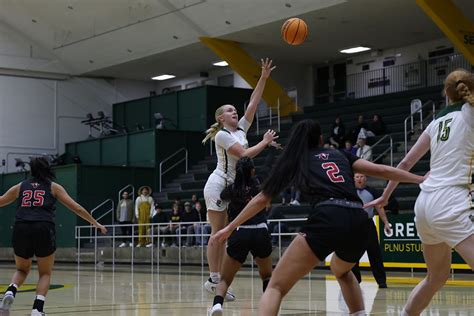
{"x": 163, "y": 77}
{"x": 221, "y": 64}
{"x": 354, "y": 50}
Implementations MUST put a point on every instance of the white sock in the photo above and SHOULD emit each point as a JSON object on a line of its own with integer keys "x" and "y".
{"x": 215, "y": 277}
{"x": 40, "y": 297}
{"x": 359, "y": 313}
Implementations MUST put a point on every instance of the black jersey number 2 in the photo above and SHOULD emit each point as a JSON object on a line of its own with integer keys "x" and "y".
{"x": 37, "y": 196}
{"x": 332, "y": 171}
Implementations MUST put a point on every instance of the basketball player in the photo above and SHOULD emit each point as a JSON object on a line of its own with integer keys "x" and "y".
{"x": 337, "y": 224}
{"x": 34, "y": 230}
{"x": 444, "y": 208}
{"x": 230, "y": 135}
{"x": 252, "y": 236}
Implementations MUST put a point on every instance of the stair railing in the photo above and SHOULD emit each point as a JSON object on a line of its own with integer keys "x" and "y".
{"x": 163, "y": 172}
{"x": 416, "y": 108}
{"x": 110, "y": 210}
{"x": 389, "y": 149}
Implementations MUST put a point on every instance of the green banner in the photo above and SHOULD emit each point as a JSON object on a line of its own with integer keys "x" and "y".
{"x": 404, "y": 245}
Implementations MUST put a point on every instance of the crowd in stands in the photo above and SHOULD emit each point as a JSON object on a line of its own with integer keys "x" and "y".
{"x": 145, "y": 211}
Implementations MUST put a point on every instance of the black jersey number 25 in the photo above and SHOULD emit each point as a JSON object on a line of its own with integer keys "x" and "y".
{"x": 332, "y": 171}
{"x": 37, "y": 196}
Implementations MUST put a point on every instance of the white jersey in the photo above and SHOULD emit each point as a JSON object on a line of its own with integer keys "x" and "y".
{"x": 224, "y": 140}
{"x": 452, "y": 148}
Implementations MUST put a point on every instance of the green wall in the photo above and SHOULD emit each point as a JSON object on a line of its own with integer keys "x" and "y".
{"x": 186, "y": 110}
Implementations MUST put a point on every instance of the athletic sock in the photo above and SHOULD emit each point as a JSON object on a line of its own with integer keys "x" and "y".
{"x": 39, "y": 303}
{"x": 265, "y": 284}
{"x": 215, "y": 277}
{"x": 359, "y": 313}
{"x": 12, "y": 288}
{"x": 218, "y": 300}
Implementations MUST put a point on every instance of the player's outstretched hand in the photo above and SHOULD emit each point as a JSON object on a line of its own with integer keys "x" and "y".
{"x": 276, "y": 145}
{"x": 380, "y": 202}
{"x": 221, "y": 236}
{"x": 266, "y": 67}
{"x": 102, "y": 229}
{"x": 388, "y": 229}
{"x": 270, "y": 136}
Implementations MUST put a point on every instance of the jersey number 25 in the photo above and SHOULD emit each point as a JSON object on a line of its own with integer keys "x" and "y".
{"x": 37, "y": 196}
{"x": 332, "y": 171}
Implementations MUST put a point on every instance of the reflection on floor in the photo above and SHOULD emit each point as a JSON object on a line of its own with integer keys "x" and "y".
{"x": 169, "y": 290}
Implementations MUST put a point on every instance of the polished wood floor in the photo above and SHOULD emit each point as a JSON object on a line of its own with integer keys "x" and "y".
{"x": 102, "y": 290}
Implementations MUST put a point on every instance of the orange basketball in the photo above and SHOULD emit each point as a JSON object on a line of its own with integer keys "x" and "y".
{"x": 294, "y": 31}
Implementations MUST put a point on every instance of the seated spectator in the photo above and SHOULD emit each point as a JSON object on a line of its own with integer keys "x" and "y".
{"x": 353, "y": 134}
{"x": 160, "y": 217}
{"x": 348, "y": 148}
{"x": 175, "y": 218}
{"x": 194, "y": 200}
{"x": 190, "y": 214}
{"x": 338, "y": 132}
{"x": 290, "y": 196}
{"x": 364, "y": 151}
{"x": 125, "y": 216}
{"x": 377, "y": 126}
{"x": 204, "y": 228}
{"x": 276, "y": 227}
{"x": 177, "y": 200}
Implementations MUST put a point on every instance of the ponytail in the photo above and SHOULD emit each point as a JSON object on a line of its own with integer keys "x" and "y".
{"x": 464, "y": 92}
{"x": 212, "y": 131}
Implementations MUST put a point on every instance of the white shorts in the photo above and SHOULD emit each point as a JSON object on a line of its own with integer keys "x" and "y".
{"x": 444, "y": 216}
{"x": 212, "y": 193}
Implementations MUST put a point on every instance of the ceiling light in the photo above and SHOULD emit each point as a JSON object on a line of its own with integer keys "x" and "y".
{"x": 221, "y": 64}
{"x": 163, "y": 77}
{"x": 354, "y": 50}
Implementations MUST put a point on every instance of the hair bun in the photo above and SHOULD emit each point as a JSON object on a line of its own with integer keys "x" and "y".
{"x": 459, "y": 82}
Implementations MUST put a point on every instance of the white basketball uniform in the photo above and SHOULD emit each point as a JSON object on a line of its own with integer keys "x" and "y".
{"x": 444, "y": 208}
{"x": 224, "y": 174}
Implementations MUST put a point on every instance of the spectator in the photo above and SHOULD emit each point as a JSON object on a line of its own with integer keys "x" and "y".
{"x": 160, "y": 217}
{"x": 190, "y": 215}
{"x": 204, "y": 228}
{"x": 175, "y": 218}
{"x": 348, "y": 148}
{"x": 377, "y": 126}
{"x": 367, "y": 194}
{"x": 194, "y": 200}
{"x": 354, "y": 132}
{"x": 143, "y": 211}
{"x": 177, "y": 200}
{"x": 364, "y": 151}
{"x": 290, "y": 196}
{"x": 276, "y": 227}
{"x": 125, "y": 214}
{"x": 338, "y": 132}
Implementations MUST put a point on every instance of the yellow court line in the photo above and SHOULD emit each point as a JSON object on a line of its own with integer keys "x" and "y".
{"x": 409, "y": 280}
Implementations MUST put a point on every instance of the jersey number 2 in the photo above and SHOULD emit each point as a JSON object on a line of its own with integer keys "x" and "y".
{"x": 332, "y": 171}
{"x": 37, "y": 196}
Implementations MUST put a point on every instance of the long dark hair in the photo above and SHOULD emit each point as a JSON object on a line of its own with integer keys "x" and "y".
{"x": 243, "y": 175}
{"x": 40, "y": 169}
{"x": 291, "y": 167}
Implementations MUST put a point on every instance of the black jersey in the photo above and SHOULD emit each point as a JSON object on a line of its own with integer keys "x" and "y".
{"x": 330, "y": 176}
{"x": 36, "y": 203}
{"x": 238, "y": 203}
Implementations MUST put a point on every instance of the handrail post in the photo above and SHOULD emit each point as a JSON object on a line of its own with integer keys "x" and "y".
{"x": 258, "y": 125}
{"x": 186, "y": 161}
{"x": 271, "y": 114}
{"x": 391, "y": 151}
{"x": 278, "y": 112}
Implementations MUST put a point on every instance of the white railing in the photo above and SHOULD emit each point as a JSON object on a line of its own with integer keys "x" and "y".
{"x": 98, "y": 207}
{"x": 163, "y": 172}
{"x": 416, "y": 108}
{"x": 270, "y": 117}
{"x": 152, "y": 236}
{"x": 389, "y": 149}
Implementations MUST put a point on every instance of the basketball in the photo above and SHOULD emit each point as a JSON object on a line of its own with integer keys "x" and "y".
{"x": 294, "y": 31}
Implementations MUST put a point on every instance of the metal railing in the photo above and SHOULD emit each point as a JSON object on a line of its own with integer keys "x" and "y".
{"x": 185, "y": 159}
{"x": 389, "y": 149}
{"x": 270, "y": 116}
{"x": 110, "y": 210}
{"x": 399, "y": 78}
{"x": 125, "y": 188}
{"x": 410, "y": 117}
{"x": 154, "y": 238}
